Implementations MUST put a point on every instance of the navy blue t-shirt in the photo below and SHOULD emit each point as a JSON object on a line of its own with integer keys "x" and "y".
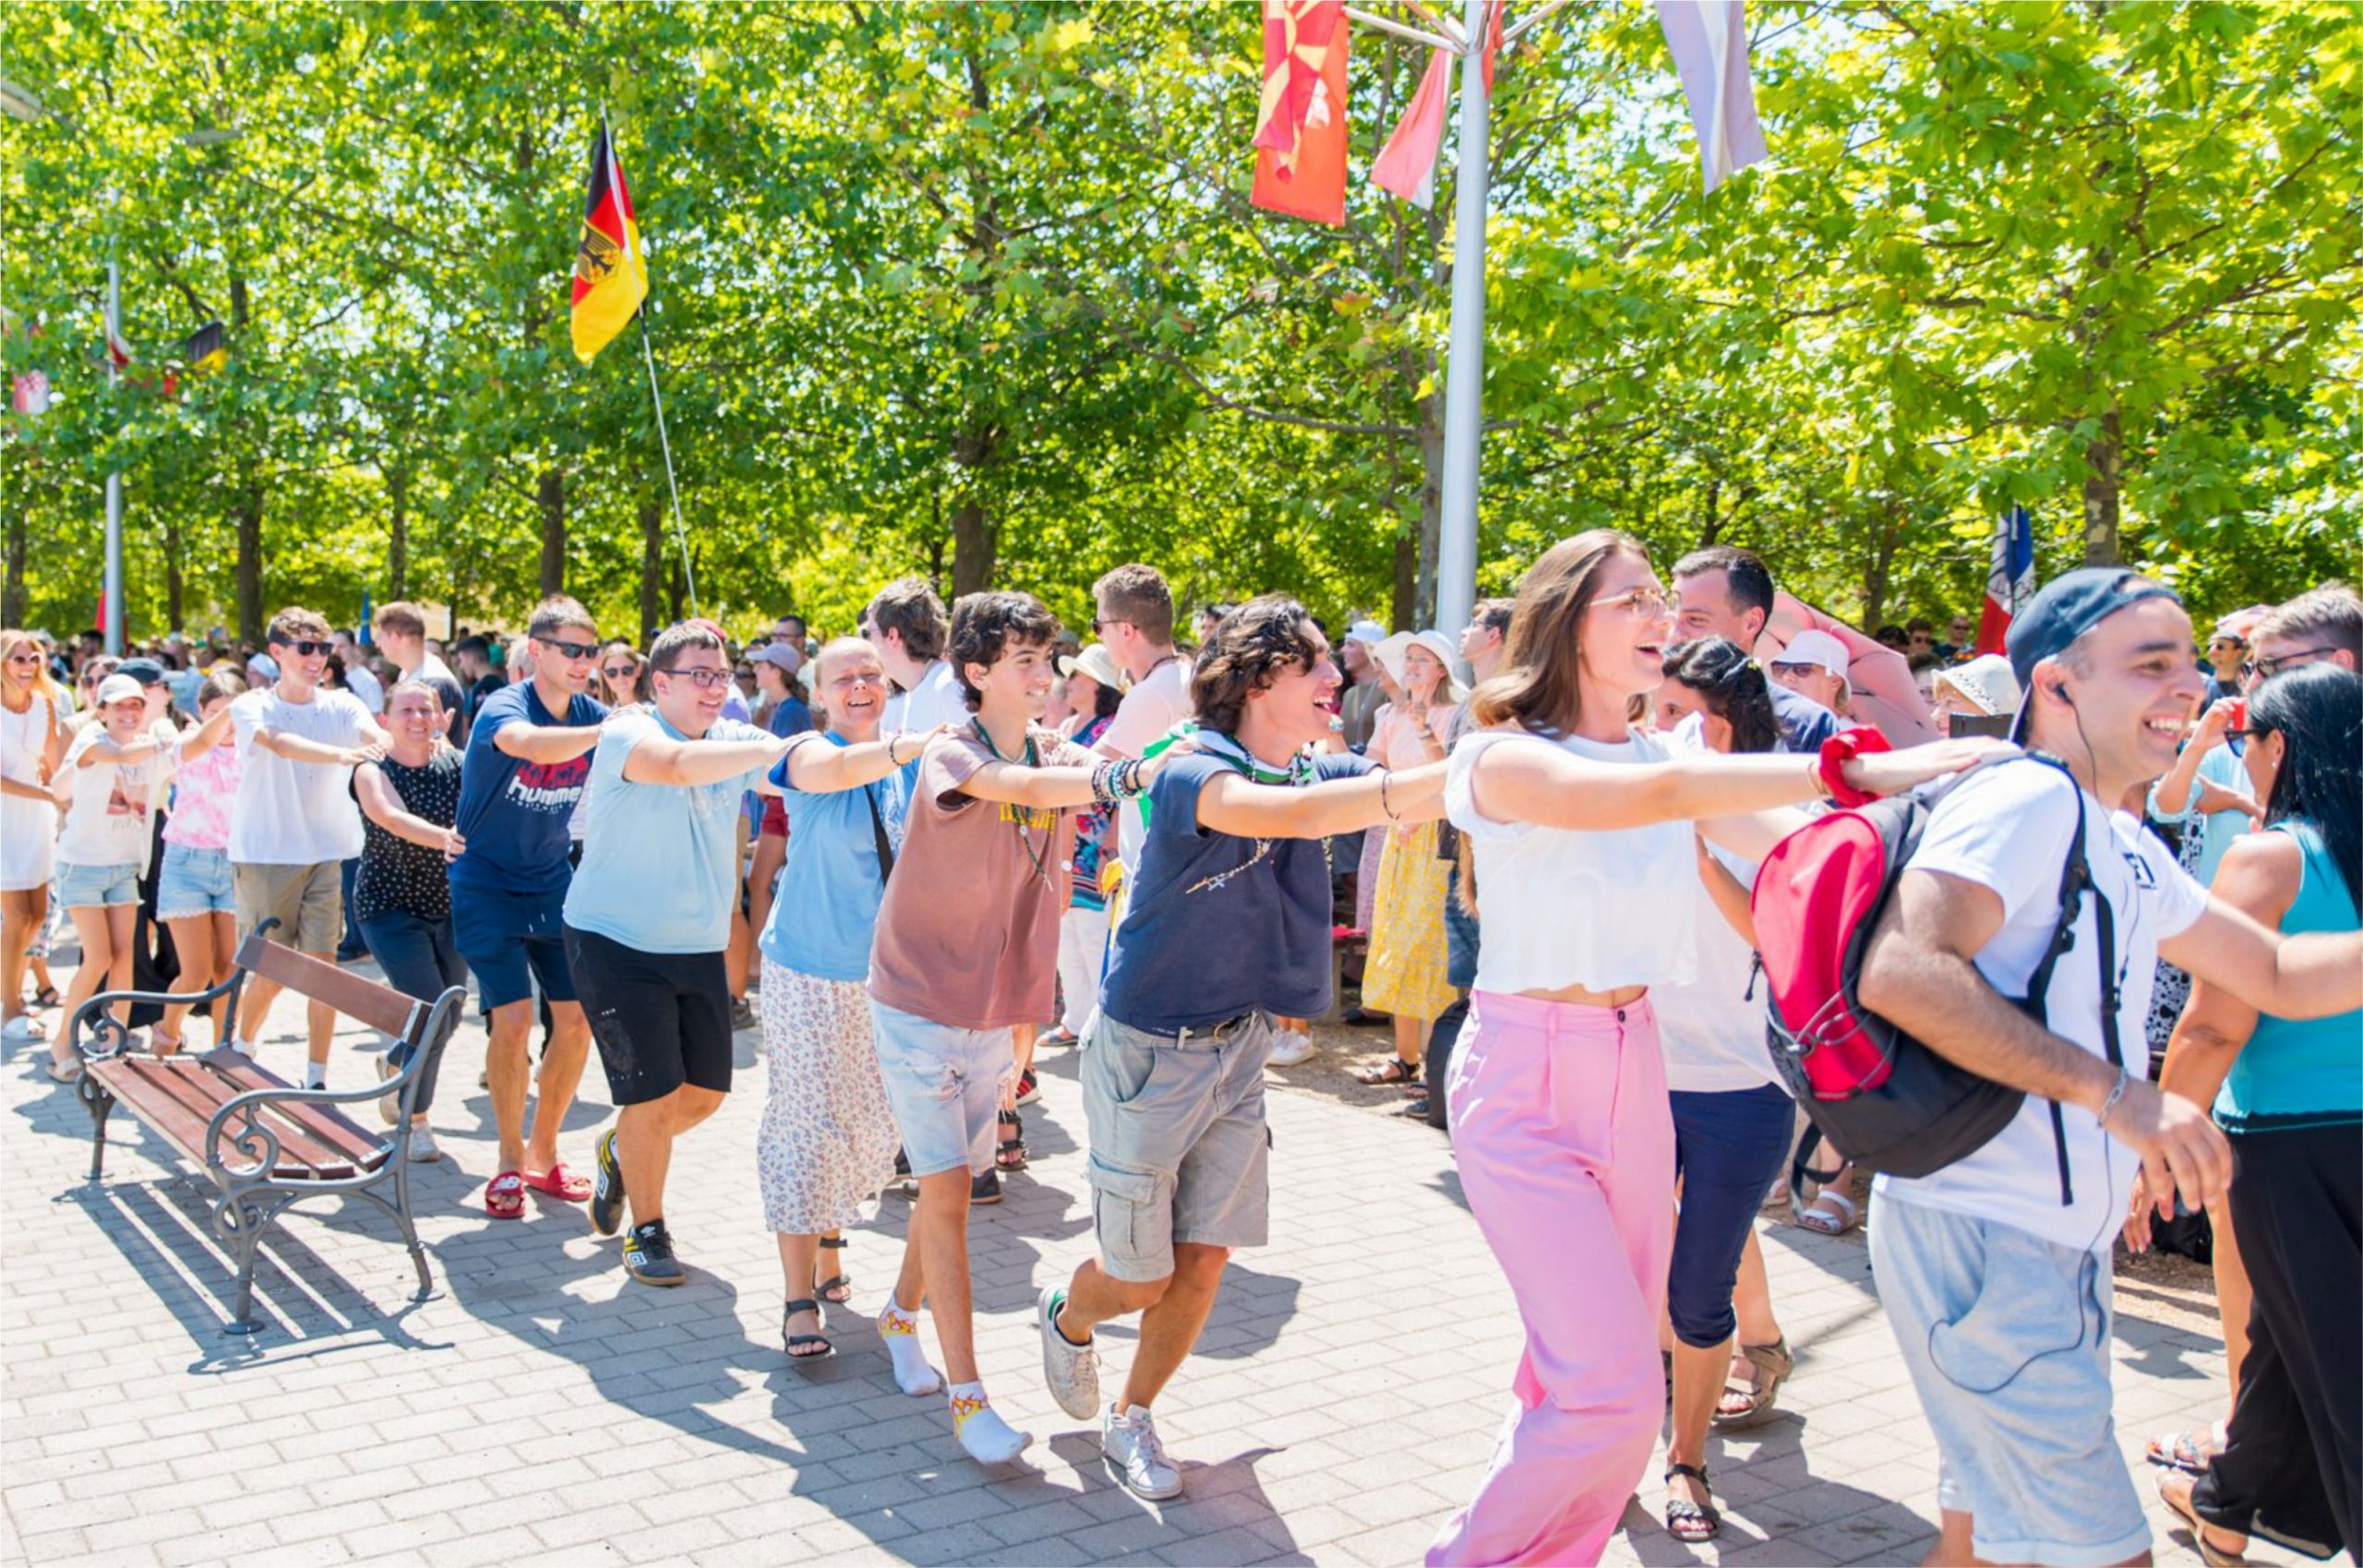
{"x": 512, "y": 812}
{"x": 1218, "y": 925}
{"x": 1804, "y": 724}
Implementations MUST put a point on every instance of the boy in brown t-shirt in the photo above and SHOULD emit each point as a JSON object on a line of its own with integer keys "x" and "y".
{"x": 966, "y": 949}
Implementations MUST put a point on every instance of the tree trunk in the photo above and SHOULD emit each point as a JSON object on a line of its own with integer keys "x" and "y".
{"x": 975, "y": 546}
{"x": 248, "y": 510}
{"x": 12, "y": 590}
{"x": 651, "y": 565}
{"x": 1711, "y": 507}
{"x": 2103, "y": 474}
{"x": 173, "y": 580}
{"x": 549, "y": 496}
{"x": 677, "y": 591}
{"x": 398, "y": 532}
{"x": 1430, "y": 540}
{"x": 1877, "y": 570}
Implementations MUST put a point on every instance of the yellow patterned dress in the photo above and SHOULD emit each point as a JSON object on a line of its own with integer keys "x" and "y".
{"x": 1405, "y": 975}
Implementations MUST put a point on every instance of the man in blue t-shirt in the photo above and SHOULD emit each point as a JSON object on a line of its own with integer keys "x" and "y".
{"x": 1229, "y": 925}
{"x": 1726, "y": 591}
{"x": 528, "y": 758}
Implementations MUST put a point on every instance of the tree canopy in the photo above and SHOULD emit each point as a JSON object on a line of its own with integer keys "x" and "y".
{"x": 976, "y": 292}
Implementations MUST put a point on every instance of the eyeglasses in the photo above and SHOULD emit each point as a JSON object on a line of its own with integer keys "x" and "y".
{"x": 570, "y": 650}
{"x": 1652, "y": 601}
{"x": 2267, "y": 669}
{"x": 704, "y": 679}
{"x": 304, "y": 647}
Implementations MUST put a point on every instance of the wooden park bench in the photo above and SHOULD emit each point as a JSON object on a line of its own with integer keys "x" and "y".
{"x": 266, "y": 1143}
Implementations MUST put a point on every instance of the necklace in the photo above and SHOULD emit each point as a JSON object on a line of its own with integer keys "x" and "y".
{"x": 1228, "y": 751}
{"x": 1018, "y": 815}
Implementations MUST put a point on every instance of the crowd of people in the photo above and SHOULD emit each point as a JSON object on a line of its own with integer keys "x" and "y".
{"x": 1537, "y": 838}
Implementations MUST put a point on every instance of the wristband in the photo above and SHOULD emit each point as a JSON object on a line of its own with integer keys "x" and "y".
{"x": 1838, "y": 751}
{"x": 2116, "y": 1094}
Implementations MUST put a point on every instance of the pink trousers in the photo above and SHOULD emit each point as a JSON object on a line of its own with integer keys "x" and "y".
{"x": 1565, "y": 1146}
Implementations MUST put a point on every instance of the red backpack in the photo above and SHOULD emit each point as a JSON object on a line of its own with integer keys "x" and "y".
{"x": 1877, "y": 1093}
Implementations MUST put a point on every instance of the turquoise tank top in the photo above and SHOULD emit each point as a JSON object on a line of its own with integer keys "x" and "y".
{"x": 2305, "y": 1073}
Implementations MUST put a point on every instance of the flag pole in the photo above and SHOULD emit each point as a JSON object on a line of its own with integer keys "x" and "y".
{"x": 1465, "y": 368}
{"x": 113, "y": 630}
{"x": 648, "y": 354}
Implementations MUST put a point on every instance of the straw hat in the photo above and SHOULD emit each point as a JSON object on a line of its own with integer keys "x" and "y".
{"x": 1985, "y": 682}
{"x": 1095, "y": 663}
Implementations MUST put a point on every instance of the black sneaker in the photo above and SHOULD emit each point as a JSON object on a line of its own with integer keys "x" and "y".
{"x": 986, "y": 1188}
{"x": 648, "y": 1255}
{"x": 607, "y": 1186}
{"x": 1028, "y": 1090}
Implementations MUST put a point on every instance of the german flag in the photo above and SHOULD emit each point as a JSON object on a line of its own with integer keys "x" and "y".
{"x": 610, "y": 272}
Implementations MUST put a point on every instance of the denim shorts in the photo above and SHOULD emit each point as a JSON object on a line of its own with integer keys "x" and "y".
{"x": 1179, "y": 1149}
{"x": 85, "y": 887}
{"x": 194, "y": 881}
{"x": 943, "y": 1083}
{"x": 2007, "y": 1339}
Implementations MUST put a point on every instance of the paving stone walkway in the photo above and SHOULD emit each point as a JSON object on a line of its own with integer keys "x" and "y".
{"x": 544, "y": 1410}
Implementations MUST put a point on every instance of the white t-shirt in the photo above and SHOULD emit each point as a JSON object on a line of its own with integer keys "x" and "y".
{"x": 1155, "y": 705}
{"x": 108, "y": 820}
{"x": 2009, "y": 828}
{"x": 937, "y": 700}
{"x": 1713, "y": 1029}
{"x": 295, "y": 813}
{"x": 1563, "y": 907}
{"x": 366, "y": 685}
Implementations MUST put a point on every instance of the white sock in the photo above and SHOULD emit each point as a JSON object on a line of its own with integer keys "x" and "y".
{"x": 987, "y": 1438}
{"x": 244, "y": 1047}
{"x": 900, "y": 1330}
{"x": 315, "y": 1075}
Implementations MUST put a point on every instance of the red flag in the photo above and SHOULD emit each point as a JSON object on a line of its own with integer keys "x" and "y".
{"x": 1301, "y": 121}
{"x": 1407, "y": 165}
{"x": 1493, "y": 42}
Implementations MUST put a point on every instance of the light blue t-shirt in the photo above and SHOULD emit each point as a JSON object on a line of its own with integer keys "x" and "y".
{"x": 660, "y": 862}
{"x": 2217, "y": 828}
{"x": 827, "y": 911}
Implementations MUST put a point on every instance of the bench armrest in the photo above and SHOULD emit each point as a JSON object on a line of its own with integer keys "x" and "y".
{"x": 109, "y": 1038}
{"x": 239, "y": 1124}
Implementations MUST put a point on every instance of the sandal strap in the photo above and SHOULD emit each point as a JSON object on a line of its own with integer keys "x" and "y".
{"x": 1696, "y": 1472}
{"x": 801, "y": 1304}
{"x": 833, "y": 1243}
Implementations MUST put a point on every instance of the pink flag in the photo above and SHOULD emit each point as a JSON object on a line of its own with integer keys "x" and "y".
{"x": 1407, "y": 165}
{"x": 1709, "y": 39}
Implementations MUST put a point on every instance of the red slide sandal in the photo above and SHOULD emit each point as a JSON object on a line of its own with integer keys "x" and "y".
{"x": 560, "y": 1182}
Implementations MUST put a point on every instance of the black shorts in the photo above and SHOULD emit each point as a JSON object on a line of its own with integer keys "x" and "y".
{"x": 661, "y": 1019}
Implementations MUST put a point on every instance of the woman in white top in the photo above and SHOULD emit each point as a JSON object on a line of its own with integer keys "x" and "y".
{"x": 32, "y": 737}
{"x": 1579, "y": 829}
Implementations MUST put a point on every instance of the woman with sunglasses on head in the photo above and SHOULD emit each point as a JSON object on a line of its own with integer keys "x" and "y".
{"x": 1579, "y": 829}
{"x": 32, "y": 737}
{"x": 2289, "y": 1096}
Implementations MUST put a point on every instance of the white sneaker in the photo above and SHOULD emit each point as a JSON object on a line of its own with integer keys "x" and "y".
{"x": 1293, "y": 1047}
{"x": 1128, "y": 1440}
{"x": 1071, "y": 1371}
{"x": 390, "y": 1105}
{"x": 421, "y": 1149}
{"x": 22, "y": 1027}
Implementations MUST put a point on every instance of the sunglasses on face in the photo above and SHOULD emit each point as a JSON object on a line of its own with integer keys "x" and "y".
{"x": 1100, "y": 623}
{"x": 24, "y": 658}
{"x": 619, "y": 672}
{"x": 705, "y": 680}
{"x": 576, "y": 651}
{"x": 304, "y": 647}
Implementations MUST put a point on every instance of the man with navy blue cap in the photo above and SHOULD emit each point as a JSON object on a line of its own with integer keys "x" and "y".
{"x": 1994, "y": 1271}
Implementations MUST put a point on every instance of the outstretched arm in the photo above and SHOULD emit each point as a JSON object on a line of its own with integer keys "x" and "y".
{"x": 1234, "y": 805}
{"x": 2314, "y": 976}
{"x": 817, "y": 768}
{"x": 661, "y": 760}
{"x": 1058, "y": 788}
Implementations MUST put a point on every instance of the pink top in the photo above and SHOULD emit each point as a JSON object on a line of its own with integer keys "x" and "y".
{"x": 207, "y": 785}
{"x": 1394, "y": 739}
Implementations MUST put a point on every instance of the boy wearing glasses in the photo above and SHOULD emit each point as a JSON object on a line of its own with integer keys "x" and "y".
{"x": 648, "y": 920}
{"x": 527, "y": 760}
{"x": 293, "y": 823}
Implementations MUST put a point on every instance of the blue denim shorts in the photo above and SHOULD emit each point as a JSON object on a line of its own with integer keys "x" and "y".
{"x": 194, "y": 881}
{"x": 2007, "y": 1339}
{"x": 84, "y": 887}
{"x": 943, "y": 1083}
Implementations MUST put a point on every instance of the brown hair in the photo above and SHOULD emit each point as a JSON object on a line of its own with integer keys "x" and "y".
{"x": 557, "y": 613}
{"x": 2332, "y": 615}
{"x": 1250, "y": 647}
{"x": 401, "y": 617}
{"x": 297, "y": 624}
{"x": 909, "y": 606}
{"x": 227, "y": 681}
{"x": 1137, "y": 596}
{"x": 1540, "y": 684}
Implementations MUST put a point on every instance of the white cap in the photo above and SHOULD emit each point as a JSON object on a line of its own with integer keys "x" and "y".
{"x": 1985, "y": 681}
{"x": 120, "y": 689}
{"x": 1367, "y": 632}
{"x": 1817, "y": 648}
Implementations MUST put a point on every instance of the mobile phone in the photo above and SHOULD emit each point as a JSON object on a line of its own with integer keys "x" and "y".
{"x": 1965, "y": 727}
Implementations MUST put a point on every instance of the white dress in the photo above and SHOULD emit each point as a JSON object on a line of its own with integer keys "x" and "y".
{"x": 28, "y": 828}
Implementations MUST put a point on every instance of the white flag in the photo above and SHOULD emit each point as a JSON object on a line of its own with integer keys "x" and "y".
{"x": 1709, "y": 39}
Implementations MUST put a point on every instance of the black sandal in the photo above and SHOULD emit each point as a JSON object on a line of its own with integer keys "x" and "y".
{"x": 1689, "y": 1522}
{"x": 797, "y": 1342}
{"x": 837, "y": 1289}
{"x": 1394, "y": 1072}
{"x": 1012, "y": 1154}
